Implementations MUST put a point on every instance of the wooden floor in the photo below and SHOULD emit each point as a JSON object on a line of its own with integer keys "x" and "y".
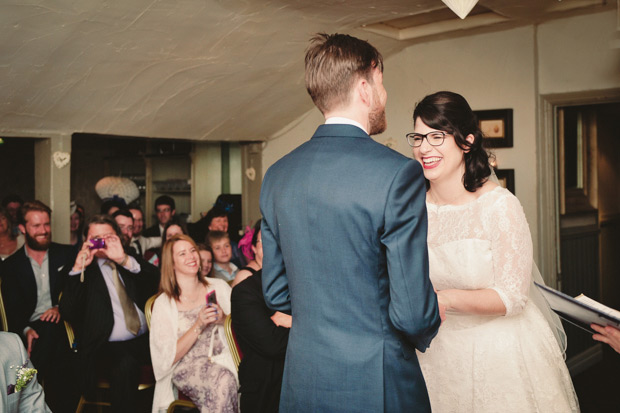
{"x": 598, "y": 388}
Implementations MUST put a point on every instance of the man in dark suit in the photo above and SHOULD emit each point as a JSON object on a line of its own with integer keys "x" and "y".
{"x": 32, "y": 281}
{"x": 164, "y": 209}
{"x": 344, "y": 241}
{"x": 103, "y": 298}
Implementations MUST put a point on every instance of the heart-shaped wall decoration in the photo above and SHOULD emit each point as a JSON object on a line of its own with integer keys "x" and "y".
{"x": 61, "y": 159}
{"x": 390, "y": 143}
{"x": 250, "y": 173}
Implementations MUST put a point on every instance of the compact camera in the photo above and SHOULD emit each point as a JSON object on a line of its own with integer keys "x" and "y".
{"x": 97, "y": 243}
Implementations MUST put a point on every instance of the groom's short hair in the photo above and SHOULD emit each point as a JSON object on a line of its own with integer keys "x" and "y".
{"x": 333, "y": 63}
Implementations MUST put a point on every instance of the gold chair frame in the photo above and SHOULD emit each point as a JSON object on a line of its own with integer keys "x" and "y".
{"x": 3, "y": 321}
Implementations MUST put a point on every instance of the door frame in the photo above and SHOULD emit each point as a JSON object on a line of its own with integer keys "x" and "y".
{"x": 547, "y": 171}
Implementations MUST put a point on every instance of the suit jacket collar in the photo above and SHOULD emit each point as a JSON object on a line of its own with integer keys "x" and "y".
{"x": 339, "y": 131}
{"x": 55, "y": 261}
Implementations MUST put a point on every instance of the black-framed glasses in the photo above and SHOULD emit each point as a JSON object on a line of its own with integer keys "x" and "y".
{"x": 434, "y": 138}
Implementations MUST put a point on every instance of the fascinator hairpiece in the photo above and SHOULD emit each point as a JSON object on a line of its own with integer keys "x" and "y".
{"x": 245, "y": 243}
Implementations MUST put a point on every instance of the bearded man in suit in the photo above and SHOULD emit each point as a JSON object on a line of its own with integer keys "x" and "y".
{"x": 344, "y": 241}
{"x": 32, "y": 280}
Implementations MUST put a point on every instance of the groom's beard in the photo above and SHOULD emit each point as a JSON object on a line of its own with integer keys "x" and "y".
{"x": 377, "y": 122}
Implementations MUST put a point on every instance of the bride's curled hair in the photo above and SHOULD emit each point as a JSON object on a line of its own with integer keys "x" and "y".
{"x": 450, "y": 112}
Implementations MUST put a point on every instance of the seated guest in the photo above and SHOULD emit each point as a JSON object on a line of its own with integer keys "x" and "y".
{"x": 111, "y": 205}
{"x": 164, "y": 209}
{"x": 13, "y": 204}
{"x": 216, "y": 219}
{"x": 28, "y": 398}
{"x": 188, "y": 345}
{"x": 222, "y": 253}
{"x": 32, "y": 280}
{"x": 262, "y": 335}
{"x": 9, "y": 242}
{"x": 172, "y": 228}
{"x": 206, "y": 260}
{"x": 76, "y": 225}
{"x": 255, "y": 263}
{"x": 124, "y": 220}
{"x": 139, "y": 242}
{"x": 103, "y": 299}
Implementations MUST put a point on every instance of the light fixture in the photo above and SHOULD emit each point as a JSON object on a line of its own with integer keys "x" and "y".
{"x": 461, "y": 7}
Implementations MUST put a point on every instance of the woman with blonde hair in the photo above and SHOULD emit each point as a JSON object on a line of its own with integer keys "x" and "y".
{"x": 188, "y": 346}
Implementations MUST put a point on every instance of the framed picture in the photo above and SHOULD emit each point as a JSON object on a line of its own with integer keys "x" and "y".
{"x": 496, "y": 126}
{"x": 506, "y": 178}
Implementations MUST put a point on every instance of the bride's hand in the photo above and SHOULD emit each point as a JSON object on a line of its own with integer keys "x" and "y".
{"x": 444, "y": 304}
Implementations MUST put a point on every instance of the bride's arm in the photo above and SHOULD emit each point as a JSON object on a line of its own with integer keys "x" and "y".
{"x": 483, "y": 302}
{"x": 511, "y": 245}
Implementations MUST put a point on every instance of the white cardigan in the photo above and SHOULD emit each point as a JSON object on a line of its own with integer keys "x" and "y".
{"x": 163, "y": 342}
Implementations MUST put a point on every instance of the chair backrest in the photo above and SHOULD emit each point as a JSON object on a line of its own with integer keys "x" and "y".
{"x": 69, "y": 330}
{"x": 3, "y": 321}
{"x": 148, "y": 309}
{"x": 237, "y": 355}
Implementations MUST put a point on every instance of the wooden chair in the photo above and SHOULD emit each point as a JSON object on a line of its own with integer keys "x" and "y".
{"x": 3, "y": 321}
{"x": 147, "y": 379}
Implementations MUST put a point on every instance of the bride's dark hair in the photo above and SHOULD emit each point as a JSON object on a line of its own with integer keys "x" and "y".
{"x": 450, "y": 112}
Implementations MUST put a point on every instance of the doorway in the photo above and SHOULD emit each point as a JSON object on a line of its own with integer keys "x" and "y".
{"x": 588, "y": 155}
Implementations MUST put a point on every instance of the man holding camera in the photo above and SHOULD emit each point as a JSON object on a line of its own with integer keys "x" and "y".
{"x": 104, "y": 295}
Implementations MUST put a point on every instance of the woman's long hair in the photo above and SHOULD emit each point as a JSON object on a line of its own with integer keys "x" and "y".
{"x": 168, "y": 282}
{"x": 450, "y": 112}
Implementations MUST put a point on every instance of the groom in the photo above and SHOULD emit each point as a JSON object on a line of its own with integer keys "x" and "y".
{"x": 344, "y": 244}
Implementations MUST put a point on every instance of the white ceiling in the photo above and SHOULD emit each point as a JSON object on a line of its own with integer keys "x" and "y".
{"x": 201, "y": 69}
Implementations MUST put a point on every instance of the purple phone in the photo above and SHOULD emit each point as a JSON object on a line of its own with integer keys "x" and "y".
{"x": 211, "y": 299}
{"x": 97, "y": 243}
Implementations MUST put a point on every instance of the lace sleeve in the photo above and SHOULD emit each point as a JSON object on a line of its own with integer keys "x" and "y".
{"x": 512, "y": 252}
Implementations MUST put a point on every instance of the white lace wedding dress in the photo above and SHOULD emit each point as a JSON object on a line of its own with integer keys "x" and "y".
{"x": 508, "y": 363}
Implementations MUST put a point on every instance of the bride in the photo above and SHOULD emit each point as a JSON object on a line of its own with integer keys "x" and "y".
{"x": 495, "y": 351}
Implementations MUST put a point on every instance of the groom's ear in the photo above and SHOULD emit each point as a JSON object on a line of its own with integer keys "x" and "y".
{"x": 364, "y": 90}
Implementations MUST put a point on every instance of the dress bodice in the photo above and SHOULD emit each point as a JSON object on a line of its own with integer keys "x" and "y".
{"x": 485, "y": 243}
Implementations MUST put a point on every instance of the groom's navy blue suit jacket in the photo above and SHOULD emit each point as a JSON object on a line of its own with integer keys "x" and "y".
{"x": 344, "y": 241}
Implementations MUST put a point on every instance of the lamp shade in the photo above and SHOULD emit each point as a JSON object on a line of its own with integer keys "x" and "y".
{"x": 117, "y": 187}
{"x": 461, "y": 7}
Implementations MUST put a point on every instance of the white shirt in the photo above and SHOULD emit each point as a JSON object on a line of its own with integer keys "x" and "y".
{"x": 337, "y": 120}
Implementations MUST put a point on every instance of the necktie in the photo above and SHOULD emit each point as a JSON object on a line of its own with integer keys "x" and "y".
{"x": 132, "y": 320}
{"x": 137, "y": 247}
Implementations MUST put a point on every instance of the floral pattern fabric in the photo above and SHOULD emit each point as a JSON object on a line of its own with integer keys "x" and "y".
{"x": 212, "y": 387}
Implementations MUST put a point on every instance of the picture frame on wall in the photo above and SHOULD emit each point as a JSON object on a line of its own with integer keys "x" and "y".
{"x": 496, "y": 127}
{"x": 506, "y": 178}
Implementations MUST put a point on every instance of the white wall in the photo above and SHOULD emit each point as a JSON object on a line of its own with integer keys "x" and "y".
{"x": 493, "y": 71}
{"x": 576, "y": 53}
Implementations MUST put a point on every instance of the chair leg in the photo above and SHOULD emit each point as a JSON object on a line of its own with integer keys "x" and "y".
{"x": 80, "y": 405}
